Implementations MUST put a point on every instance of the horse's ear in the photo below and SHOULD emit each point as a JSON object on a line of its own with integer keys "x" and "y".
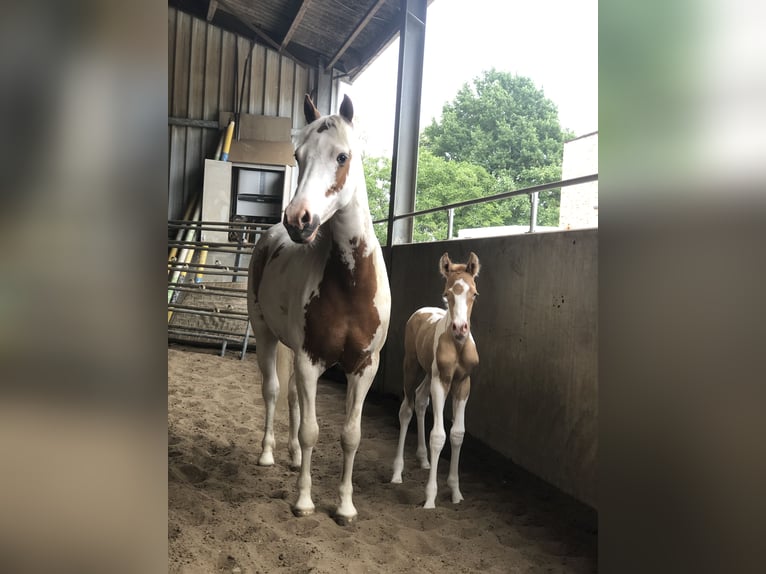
{"x": 445, "y": 264}
{"x": 347, "y": 108}
{"x": 310, "y": 110}
{"x": 473, "y": 265}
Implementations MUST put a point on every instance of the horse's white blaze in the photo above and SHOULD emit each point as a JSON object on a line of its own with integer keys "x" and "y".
{"x": 459, "y": 308}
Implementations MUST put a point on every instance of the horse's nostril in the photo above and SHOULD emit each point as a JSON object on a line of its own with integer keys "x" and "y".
{"x": 306, "y": 218}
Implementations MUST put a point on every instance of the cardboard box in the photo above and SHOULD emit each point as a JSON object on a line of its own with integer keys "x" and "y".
{"x": 264, "y": 152}
{"x": 262, "y": 139}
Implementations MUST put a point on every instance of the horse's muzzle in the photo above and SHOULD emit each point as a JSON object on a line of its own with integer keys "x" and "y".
{"x": 303, "y": 234}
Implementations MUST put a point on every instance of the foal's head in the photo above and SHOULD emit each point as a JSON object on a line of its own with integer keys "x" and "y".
{"x": 460, "y": 292}
{"x": 328, "y": 166}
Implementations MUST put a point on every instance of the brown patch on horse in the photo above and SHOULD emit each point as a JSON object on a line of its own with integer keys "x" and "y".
{"x": 341, "y": 319}
{"x": 340, "y": 177}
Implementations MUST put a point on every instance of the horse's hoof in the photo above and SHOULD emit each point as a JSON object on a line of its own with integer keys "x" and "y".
{"x": 299, "y": 512}
{"x": 266, "y": 460}
{"x": 345, "y": 520}
{"x": 396, "y": 480}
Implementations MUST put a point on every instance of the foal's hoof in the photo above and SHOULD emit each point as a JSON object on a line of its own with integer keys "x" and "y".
{"x": 345, "y": 520}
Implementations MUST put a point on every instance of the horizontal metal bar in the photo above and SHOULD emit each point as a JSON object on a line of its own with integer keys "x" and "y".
{"x": 179, "y": 338}
{"x": 212, "y": 272}
{"x": 187, "y": 309}
{"x": 194, "y": 288}
{"x": 498, "y": 196}
{"x": 203, "y": 266}
{"x": 210, "y": 244}
{"x": 189, "y": 223}
{"x": 205, "y": 330}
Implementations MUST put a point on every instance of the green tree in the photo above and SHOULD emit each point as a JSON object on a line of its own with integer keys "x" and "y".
{"x": 377, "y": 175}
{"x": 505, "y": 124}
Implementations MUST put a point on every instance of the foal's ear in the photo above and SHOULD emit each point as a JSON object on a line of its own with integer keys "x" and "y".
{"x": 473, "y": 265}
{"x": 310, "y": 110}
{"x": 445, "y": 264}
{"x": 347, "y": 108}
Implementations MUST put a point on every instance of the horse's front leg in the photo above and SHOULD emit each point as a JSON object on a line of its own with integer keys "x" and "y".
{"x": 356, "y": 391}
{"x": 439, "y": 391}
{"x": 306, "y": 375}
{"x": 459, "y": 400}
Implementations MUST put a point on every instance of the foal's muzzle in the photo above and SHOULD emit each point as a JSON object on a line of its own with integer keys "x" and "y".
{"x": 303, "y": 232}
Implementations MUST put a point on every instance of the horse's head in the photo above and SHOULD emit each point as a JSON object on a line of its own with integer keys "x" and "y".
{"x": 460, "y": 292}
{"x": 328, "y": 165}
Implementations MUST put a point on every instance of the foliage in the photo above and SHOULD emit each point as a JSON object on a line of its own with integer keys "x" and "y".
{"x": 377, "y": 175}
{"x": 499, "y": 134}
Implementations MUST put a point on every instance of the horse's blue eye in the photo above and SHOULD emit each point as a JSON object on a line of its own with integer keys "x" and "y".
{"x": 342, "y": 158}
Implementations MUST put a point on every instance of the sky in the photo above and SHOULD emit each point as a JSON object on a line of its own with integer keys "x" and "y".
{"x": 553, "y": 42}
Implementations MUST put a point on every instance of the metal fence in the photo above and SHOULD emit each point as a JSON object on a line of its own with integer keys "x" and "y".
{"x": 207, "y": 283}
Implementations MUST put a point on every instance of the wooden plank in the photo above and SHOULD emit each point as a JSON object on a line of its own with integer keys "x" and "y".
{"x": 301, "y": 89}
{"x": 295, "y": 23}
{"x": 226, "y": 86}
{"x": 177, "y": 166}
{"x": 358, "y": 30}
{"x": 197, "y": 68}
{"x": 172, "y": 15}
{"x": 212, "y": 73}
{"x": 271, "y": 84}
{"x": 180, "y": 103}
{"x": 258, "y": 72}
{"x": 211, "y": 8}
{"x": 191, "y": 123}
{"x": 286, "y": 87}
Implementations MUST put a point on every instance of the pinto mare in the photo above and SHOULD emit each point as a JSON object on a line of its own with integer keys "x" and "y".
{"x": 318, "y": 284}
{"x": 439, "y": 355}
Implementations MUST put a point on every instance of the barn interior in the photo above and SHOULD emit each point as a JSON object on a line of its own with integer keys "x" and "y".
{"x": 534, "y": 404}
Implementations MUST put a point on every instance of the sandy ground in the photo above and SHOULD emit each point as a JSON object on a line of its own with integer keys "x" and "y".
{"x": 227, "y": 514}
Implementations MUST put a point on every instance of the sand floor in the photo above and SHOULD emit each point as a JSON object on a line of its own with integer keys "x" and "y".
{"x": 227, "y": 514}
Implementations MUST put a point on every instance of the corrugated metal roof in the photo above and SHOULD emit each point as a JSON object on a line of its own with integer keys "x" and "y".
{"x": 345, "y": 35}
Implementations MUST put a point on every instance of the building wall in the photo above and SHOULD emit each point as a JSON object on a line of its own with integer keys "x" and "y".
{"x": 579, "y": 203}
{"x": 203, "y": 61}
{"x": 534, "y": 395}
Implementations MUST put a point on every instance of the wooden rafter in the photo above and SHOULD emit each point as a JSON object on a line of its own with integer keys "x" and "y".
{"x": 358, "y": 30}
{"x": 211, "y": 8}
{"x": 295, "y": 23}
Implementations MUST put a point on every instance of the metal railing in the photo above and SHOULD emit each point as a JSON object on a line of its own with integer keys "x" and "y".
{"x": 532, "y": 191}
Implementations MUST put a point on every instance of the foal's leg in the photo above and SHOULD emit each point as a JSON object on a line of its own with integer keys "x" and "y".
{"x": 422, "y": 398}
{"x": 356, "y": 391}
{"x": 405, "y": 416}
{"x": 439, "y": 391}
{"x": 293, "y": 444}
{"x": 411, "y": 373}
{"x": 266, "y": 351}
{"x": 306, "y": 375}
{"x": 459, "y": 400}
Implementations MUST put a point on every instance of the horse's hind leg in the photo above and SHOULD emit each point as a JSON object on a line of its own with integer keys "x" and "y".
{"x": 422, "y": 398}
{"x": 405, "y": 416}
{"x": 266, "y": 351}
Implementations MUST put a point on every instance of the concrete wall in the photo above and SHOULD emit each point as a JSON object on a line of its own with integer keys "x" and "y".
{"x": 535, "y": 393}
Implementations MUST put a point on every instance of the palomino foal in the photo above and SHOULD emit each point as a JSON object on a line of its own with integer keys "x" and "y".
{"x": 318, "y": 283}
{"x": 439, "y": 355}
